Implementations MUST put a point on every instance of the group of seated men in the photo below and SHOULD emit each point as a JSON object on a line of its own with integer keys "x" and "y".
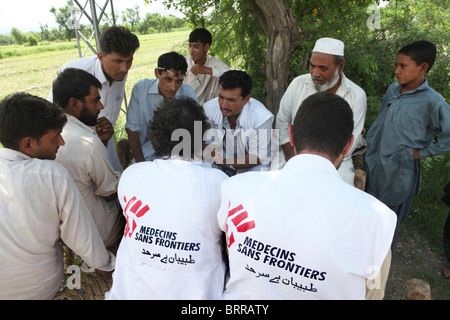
{"x": 174, "y": 207}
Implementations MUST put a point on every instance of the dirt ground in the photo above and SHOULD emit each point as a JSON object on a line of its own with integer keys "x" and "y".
{"x": 410, "y": 259}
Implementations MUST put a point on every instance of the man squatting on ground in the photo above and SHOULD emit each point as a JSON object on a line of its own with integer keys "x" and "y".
{"x": 40, "y": 203}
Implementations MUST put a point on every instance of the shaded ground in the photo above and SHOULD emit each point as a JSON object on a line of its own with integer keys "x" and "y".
{"x": 412, "y": 259}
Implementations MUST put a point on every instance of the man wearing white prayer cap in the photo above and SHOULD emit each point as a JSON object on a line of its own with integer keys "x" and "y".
{"x": 326, "y": 67}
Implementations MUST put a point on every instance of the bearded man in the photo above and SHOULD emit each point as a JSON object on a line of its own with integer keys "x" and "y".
{"x": 326, "y": 68}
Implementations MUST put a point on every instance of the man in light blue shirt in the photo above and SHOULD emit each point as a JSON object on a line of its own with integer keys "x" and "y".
{"x": 146, "y": 97}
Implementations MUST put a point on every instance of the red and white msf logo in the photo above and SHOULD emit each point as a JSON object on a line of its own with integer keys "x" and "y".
{"x": 133, "y": 209}
{"x": 237, "y": 216}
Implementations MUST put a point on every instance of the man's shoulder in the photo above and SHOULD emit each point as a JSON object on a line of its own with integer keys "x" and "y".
{"x": 80, "y": 141}
{"x": 187, "y": 91}
{"x": 258, "y": 105}
{"x": 297, "y": 84}
{"x": 144, "y": 86}
{"x": 257, "y": 110}
{"x": 243, "y": 181}
{"x": 211, "y": 104}
{"x": 85, "y": 63}
{"x": 212, "y": 174}
{"x": 212, "y": 60}
{"x": 212, "y": 108}
{"x": 360, "y": 202}
{"x": 48, "y": 168}
{"x": 354, "y": 88}
{"x": 435, "y": 96}
{"x": 142, "y": 83}
{"x": 301, "y": 78}
{"x": 76, "y": 129}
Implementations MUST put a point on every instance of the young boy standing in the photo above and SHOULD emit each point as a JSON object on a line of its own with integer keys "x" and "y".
{"x": 413, "y": 123}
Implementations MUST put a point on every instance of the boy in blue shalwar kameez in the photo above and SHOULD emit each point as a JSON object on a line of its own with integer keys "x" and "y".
{"x": 413, "y": 123}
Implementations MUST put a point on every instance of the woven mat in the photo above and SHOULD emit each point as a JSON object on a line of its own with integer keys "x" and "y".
{"x": 92, "y": 285}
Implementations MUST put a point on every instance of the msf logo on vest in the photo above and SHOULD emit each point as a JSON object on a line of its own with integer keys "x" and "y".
{"x": 133, "y": 209}
{"x": 237, "y": 221}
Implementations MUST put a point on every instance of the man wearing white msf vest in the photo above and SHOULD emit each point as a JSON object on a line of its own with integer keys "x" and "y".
{"x": 326, "y": 239}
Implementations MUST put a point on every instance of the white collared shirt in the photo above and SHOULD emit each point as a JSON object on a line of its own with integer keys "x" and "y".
{"x": 323, "y": 241}
{"x": 40, "y": 204}
{"x": 205, "y": 86}
{"x": 252, "y": 134}
{"x": 85, "y": 157}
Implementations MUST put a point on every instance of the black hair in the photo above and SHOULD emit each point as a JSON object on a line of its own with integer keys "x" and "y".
{"x": 172, "y": 60}
{"x": 233, "y": 79}
{"x": 420, "y": 51}
{"x": 173, "y": 114}
{"x": 200, "y": 35}
{"x": 323, "y": 123}
{"x": 73, "y": 83}
{"x": 24, "y": 115}
{"x": 118, "y": 39}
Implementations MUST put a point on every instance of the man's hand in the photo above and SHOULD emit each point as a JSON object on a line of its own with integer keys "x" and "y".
{"x": 104, "y": 129}
{"x": 135, "y": 145}
{"x": 200, "y": 69}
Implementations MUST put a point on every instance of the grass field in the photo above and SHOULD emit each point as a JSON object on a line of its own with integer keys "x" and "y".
{"x": 32, "y": 69}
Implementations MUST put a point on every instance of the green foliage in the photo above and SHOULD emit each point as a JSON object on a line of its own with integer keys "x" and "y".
{"x": 5, "y": 40}
{"x": 62, "y": 15}
{"x": 155, "y": 23}
{"x": 132, "y": 17}
{"x": 32, "y": 39}
{"x": 195, "y": 11}
{"x": 429, "y": 213}
{"x": 370, "y": 54}
{"x": 17, "y": 36}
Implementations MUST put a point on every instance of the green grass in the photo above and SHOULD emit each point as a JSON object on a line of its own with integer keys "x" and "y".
{"x": 23, "y": 50}
{"x": 429, "y": 212}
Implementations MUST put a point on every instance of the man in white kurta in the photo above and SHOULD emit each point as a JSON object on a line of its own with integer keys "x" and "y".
{"x": 112, "y": 94}
{"x": 84, "y": 154}
{"x": 40, "y": 205}
{"x": 206, "y": 86}
{"x": 304, "y": 247}
{"x": 303, "y": 86}
{"x": 85, "y": 157}
{"x": 203, "y": 70}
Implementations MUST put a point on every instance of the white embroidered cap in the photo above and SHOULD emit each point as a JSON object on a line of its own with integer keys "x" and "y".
{"x": 329, "y": 46}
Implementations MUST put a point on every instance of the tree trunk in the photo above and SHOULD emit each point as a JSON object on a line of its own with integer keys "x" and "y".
{"x": 283, "y": 34}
